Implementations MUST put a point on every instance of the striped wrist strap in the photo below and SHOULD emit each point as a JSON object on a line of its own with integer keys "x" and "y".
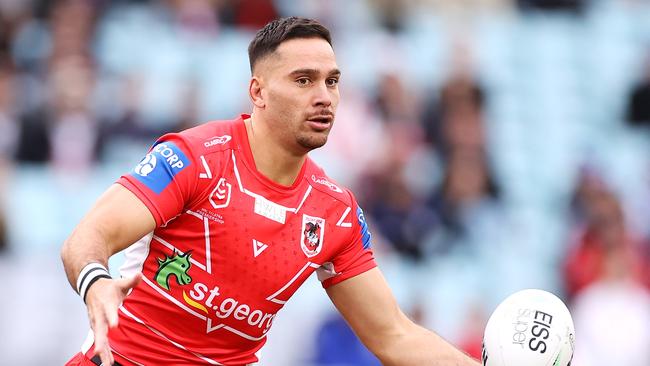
{"x": 89, "y": 275}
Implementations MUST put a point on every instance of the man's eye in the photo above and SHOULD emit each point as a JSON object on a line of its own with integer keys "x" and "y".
{"x": 302, "y": 81}
{"x": 332, "y": 81}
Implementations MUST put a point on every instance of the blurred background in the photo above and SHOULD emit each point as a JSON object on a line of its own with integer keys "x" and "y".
{"x": 494, "y": 145}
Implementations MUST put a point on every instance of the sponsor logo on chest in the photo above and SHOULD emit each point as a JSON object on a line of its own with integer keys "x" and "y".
{"x": 270, "y": 210}
{"x": 207, "y": 302}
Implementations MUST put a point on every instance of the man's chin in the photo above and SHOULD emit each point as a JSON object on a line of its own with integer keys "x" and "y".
{"x": 312, "y": 142}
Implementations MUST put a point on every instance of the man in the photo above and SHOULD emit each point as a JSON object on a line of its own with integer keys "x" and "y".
{"x": 230, "y": 218}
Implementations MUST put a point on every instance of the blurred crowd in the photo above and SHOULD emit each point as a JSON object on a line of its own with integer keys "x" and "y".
{"x": 419, "y": 138}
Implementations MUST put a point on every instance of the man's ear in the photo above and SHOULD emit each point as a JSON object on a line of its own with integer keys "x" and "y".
{"x": 255, "y": 92}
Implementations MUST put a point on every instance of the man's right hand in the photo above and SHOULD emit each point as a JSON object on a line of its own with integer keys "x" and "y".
{"x": 103, "y": 300}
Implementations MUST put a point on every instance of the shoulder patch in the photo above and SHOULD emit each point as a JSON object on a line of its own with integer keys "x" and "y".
{"x": 158, "y": 168}
{"x": 366, "y": 237}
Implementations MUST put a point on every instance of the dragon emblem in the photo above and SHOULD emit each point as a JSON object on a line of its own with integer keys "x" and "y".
{"x": 177, "y": 265}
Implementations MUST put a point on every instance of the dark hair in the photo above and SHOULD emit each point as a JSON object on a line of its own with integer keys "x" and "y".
{"x": 268, "y": 39}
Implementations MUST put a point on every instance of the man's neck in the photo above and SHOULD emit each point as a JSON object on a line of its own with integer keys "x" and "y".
{"x": 272, "y": 160}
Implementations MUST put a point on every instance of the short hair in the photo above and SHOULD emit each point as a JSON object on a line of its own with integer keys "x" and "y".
{"x": 268, "y": 39}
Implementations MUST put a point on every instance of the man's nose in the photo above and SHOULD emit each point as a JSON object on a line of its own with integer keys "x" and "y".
{"x": 323, "y": 96}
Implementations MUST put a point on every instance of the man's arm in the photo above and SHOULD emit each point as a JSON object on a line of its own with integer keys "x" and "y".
{"x": 367, "y": 304}
{"x": 117, "y": 220}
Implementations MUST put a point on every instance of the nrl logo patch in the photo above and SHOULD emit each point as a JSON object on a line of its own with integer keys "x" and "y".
{"x": 313, "y": 229}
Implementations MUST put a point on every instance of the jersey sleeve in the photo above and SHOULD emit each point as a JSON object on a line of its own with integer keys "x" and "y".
{"x": 165, "y": 179}
{"x": 355, "y": 258}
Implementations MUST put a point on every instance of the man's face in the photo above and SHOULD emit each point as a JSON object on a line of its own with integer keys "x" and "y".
{"x": 299, "y": 85}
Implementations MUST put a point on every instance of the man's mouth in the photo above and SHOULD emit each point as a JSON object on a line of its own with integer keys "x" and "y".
{"x": 323, "y": 118}
{"x": 320, "y": 122}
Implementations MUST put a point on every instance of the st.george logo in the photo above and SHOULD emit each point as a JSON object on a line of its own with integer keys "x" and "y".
{"x": 313, "y": 229}
{"x": 146, "y": 166}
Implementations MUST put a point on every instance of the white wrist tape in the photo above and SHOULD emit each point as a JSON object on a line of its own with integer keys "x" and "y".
{"x": 88, "y": 275}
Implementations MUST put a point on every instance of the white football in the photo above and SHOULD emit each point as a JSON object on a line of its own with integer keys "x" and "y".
{"x": 529, "y": 328}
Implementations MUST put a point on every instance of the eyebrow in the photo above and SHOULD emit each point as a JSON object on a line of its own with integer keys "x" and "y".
{"x": 312, "y": 72}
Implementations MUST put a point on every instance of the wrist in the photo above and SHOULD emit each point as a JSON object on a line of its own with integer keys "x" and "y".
{"x": 88, "y": 276}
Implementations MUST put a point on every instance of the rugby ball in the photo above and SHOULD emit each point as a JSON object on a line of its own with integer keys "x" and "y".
{"x": 529, "y": 328}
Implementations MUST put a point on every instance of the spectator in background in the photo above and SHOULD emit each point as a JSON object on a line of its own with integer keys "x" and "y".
{"x": 129, "y": 124}
{"x": 417, "y": 223}
{"x": 467, "y": 189}
{"x": 33, "y": 143}
{"x": 73, "y": 127}
{"x": 397, "y": 110}
{"x": 454, "y": 116}
{"x": 453, "y": 122}
{"x": 73, "y": 28}
{"x": 403, "y": 220}
{"x": 638, "y": 105}
{"x": 397, "y": 107}
{"x": 197, "y": 17}
{"x": 64, "y": 129}
{"x": 573, "y": 6}
{"x": 8, "y": 134}
{"x": 9, "y": 112}
{"x": 337, "y": 345}
{"x": 602, "y": 232}
{"x": 20, "y": 53}
{"x": 254, "y": 14}
{"x": 612, "y": 314}
{"x": 400, "y": 215}
{"x": 391, "y": 14}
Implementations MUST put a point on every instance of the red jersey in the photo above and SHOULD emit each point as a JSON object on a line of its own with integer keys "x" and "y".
{"x": 230, "y": 248}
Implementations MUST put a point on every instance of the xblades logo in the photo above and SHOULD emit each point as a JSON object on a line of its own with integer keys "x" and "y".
{"x": 326, "y": 183}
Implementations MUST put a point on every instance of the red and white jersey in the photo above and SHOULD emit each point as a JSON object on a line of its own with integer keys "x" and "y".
{"x": 230, "y": 248}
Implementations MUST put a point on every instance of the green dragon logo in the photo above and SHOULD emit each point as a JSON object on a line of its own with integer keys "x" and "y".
{"x": 176, "y": 265}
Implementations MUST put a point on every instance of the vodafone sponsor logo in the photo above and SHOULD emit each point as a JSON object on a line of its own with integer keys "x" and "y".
{"x": 212, "y": 303}
{"x": 217, "y": 140}
{"x": 325, "y": 182}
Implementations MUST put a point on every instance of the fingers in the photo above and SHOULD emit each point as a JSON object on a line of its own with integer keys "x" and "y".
{"x": 103, "y": 301}
{"x": 100, "y": 331}
{"x": 128, "y": 283}
{"x": 123, "y": 285}
{"x": 111, "y": 316}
